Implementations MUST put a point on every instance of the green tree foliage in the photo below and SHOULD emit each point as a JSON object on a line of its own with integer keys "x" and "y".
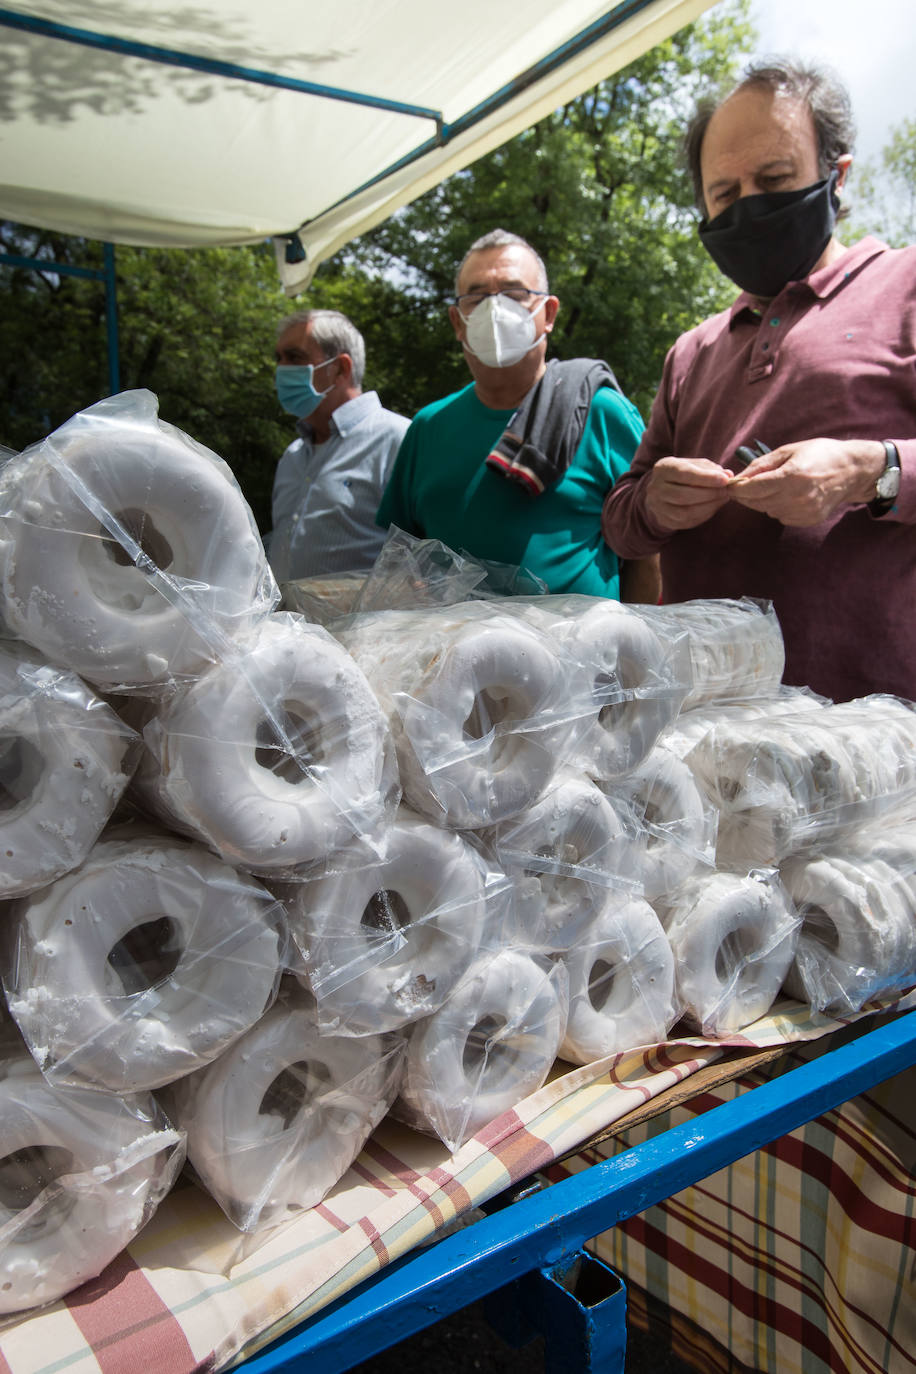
{"x": 886, "y": 189}
{"x": 196, "y": 327}
{"x": 596, "y": 186}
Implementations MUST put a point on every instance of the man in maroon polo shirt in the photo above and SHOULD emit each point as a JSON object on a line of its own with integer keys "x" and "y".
{"x": 815, "y": 361}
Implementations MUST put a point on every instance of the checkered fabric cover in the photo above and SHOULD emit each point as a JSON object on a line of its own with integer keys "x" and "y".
{"x": 798, "y": 1259}
{"x": 192, "y": 1294}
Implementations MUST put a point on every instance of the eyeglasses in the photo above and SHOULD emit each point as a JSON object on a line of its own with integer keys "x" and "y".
{"x": 520, "y": 294}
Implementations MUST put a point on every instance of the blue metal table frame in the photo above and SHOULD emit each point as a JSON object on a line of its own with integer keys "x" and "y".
{"x": 541, "y": 1236}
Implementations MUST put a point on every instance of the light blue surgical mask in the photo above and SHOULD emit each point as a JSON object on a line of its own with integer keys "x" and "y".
{"x": 295, "y": 390}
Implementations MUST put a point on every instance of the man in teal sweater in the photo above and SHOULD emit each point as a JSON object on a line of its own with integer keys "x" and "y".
{"x": 515, "y": 467}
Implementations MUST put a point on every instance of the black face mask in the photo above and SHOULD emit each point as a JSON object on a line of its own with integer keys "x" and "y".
{"x": 762, "y": 242}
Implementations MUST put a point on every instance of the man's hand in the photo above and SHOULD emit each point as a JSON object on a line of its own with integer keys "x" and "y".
{"x": 805, "y": 483}
{"x": 684, "y": 492}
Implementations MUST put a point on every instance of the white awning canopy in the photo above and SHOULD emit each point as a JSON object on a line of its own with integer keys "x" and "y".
{"x": 231, "y": 122}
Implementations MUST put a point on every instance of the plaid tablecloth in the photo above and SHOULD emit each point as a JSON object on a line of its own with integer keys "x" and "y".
{"x": 191, "y": 1294}
{"x": 799, "y": 1258}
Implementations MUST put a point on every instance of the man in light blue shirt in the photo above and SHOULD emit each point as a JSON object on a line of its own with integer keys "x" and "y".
{"x": 329, "y": 481}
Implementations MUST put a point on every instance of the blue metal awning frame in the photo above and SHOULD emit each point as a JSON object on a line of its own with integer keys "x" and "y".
{"x": 105, "y": 274}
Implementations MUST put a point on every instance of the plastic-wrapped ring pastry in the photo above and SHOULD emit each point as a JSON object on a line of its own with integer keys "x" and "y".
{"x": 128, "y": 550}
{"x": 492, "y": 1044}
{"x": 386, "y": 933}
{"x": 793, "y": 781}
{"x": 477, "y": 702}
{"x": 276, "y": 756}
{"x": 276, "y": 1120}
{"x": 80, "y": 1174}
{"x": 736, "y": 647}
{"x": 734, "y": 938}
{"x": 678, "y": 829}
{"x": 143, "y": 964}
{"x": 632, "y": 662}
{"x": 621, "y": 984}
{"x": 858, "y": 935}
{"x": 65, "y": 760}
{"x": 563, "y": 855}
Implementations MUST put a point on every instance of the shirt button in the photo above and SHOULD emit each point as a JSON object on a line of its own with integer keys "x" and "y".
{"x": 764, "y": 347}
{"x": 774, "y": 321}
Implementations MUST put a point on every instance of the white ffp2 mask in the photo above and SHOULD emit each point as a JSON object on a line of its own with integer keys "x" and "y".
{"x": 500, "y": 331}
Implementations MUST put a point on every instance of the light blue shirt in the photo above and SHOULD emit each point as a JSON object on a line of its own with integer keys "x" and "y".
{"x": 325, "y": 495}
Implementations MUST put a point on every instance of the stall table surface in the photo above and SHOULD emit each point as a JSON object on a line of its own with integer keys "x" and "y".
{"x": 386, "y": 1252}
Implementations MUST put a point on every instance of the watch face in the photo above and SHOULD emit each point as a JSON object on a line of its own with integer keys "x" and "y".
{"x": 888, "y": 484}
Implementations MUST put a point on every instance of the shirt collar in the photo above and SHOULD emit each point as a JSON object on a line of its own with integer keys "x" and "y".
{"x": 822, "y": 283}
{"x": 347, "y": 417}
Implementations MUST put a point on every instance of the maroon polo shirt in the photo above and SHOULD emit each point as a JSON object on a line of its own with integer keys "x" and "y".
{"x": 832, "y": 357}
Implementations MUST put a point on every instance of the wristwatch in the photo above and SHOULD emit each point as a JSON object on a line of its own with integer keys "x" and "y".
{"x": 888, "y": 484}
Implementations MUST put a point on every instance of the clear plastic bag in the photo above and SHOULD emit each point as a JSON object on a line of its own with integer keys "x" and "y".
{"x": 128, "y": 551}
{"x": 386, "y": 929}
{"x": 492, "y": 1044}
{"x": 564, "y": 855}
{"x": 789, "y": 782}
{"x": 279, "y": 1117}
{"x": 621, "y": 983}
{"x": 677, "y": 821}
{"x": 141, "y": 965}
{"x": 322, "y": 599}
{"x": 275, "y": 756}
{"x": 736, "y": 647}
{"x": 858, "y": 934}
{"x": 694, "y": 724}
{"x": 734, "y": 937}
{"x": 631, "y": 679}
{"x": 410, "y": 573}
{"x": 82, "y": 1173}
{"x": 482, "y": 708}
{"x": 65, "y": 760}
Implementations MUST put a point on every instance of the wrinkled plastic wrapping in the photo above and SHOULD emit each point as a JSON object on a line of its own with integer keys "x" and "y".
{"x": 386, "y": 929}
{"x": 82, "y": 1173}
{"x": 65, "y": 760}
{"x": 734, "y": 937}
{"x": 894, "y": 843}
{"x": 735, "y": 647}
{"x": 410, "y": 572}
{"x": 694, "y": 725}
{"x": 633, "y": 679}
{"x": 482, "y": 708}
{"x": 858, "y": 911}
{"x": 621, "y": 983}
{"x": 275, "y": 756}
{"x": 563, "y": 855}
{"x": 322, "y": 599}
{"x": 141, "y": 965}
{"x": 128, "y": 551}
{"x": 677, "y": 821}
{"x": 278, "y": 1119}
{"x": 786, "y": 783}
{"x": 491, "y": 1044}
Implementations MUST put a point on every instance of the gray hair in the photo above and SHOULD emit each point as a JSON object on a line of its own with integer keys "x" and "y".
{"x": 501, "y": 238}
{"x": 333, "y": 333}
{"x": 816, "y": 86}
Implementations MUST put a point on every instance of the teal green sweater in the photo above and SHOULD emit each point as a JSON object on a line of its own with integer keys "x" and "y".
{"x": 441, "y": 488}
